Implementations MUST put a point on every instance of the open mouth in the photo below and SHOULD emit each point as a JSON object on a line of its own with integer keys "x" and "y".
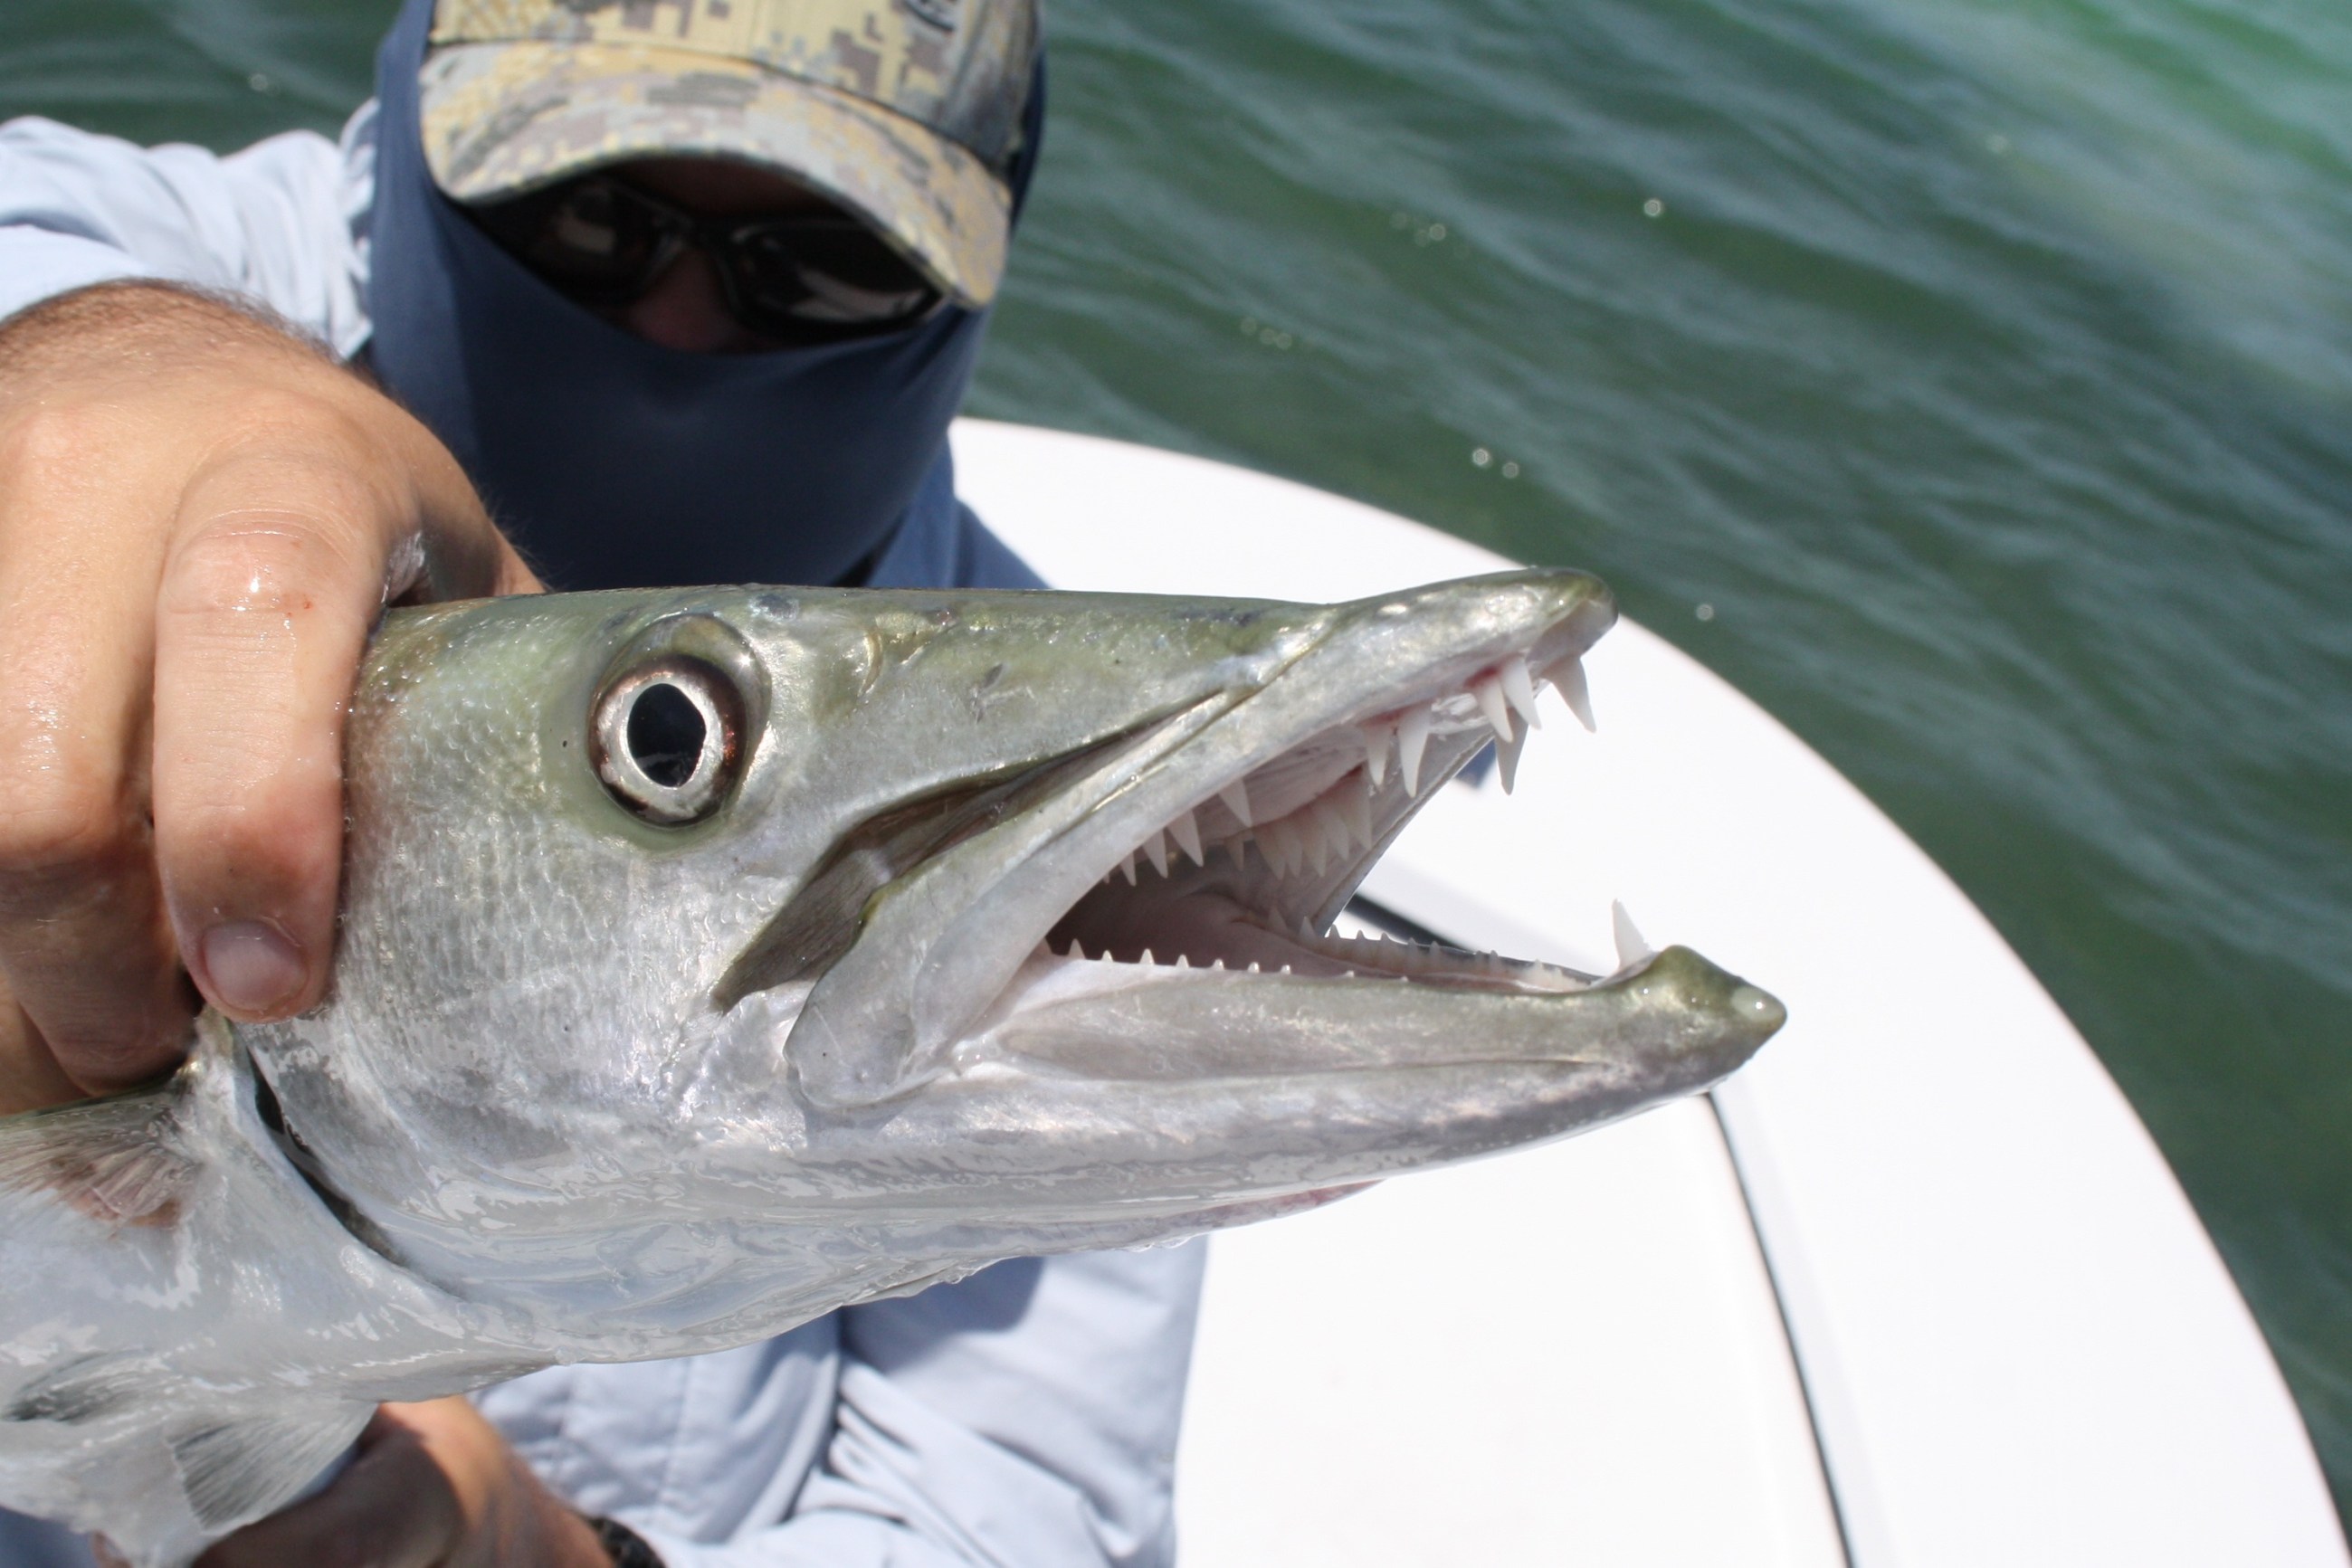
{"x": 1200, "y": 850}
{"x": 1251, "y": 876}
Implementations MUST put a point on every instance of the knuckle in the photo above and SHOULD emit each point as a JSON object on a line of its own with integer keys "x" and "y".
{"x": 57, "y": 439}
{"x": 53, "y": 825}
{"x": 284, "y": 559}
{"x": 281, "y": 525}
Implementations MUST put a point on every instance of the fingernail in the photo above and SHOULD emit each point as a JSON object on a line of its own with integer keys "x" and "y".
{"x": 251, "y": 966}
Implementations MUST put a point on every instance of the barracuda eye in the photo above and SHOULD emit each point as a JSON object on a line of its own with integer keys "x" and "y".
{"x": 670, "y": 739}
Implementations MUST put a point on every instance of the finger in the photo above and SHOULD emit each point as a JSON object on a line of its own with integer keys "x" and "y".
{"x": 283, "y": 556}
{"x": 393, "y": 1508}
{"x": 278, "y": 570}
{"x": 30, "y": 1077}
{"x": 84, "y": 943}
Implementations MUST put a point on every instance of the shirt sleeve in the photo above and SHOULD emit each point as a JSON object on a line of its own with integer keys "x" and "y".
{"x": 271, "y": 223}
{"x": 1024, "y": 1418}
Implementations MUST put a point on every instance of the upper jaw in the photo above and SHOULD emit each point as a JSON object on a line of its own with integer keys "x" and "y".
{"x": 1257, "y": 812}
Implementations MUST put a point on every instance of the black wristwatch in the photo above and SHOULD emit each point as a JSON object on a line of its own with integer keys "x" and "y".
{"x": 624, "y": 1546}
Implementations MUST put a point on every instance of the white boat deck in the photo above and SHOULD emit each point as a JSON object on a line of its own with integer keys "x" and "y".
{"x": 1991, "y": 1331}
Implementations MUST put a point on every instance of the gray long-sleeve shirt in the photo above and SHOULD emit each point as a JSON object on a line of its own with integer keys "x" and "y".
{"x": 1024, "y": 1418}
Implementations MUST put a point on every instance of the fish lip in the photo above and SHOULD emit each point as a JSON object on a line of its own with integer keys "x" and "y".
{"x": 1428, "y": 713}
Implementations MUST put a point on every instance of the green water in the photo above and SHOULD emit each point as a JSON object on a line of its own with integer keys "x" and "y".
{"x": 1985, "y": 368}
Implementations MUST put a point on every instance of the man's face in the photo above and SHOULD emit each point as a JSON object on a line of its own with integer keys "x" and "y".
{"x": 684, "y": 309}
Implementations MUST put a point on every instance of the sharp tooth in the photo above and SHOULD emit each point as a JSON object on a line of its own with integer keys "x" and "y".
{"x": 1155, "y": 850}
{"x": 1254, "y": 969}
{"x": 1182, "y": 962}
{"x": 1568, "y": 677}
{"x": 1312, "y": 842}
{"x": 1489, "y": 690}
{"x": 1128, "y": 865}
{"x": 1075, "y": 951}
{"x": 1280, "y": 840}
{"x": 1237, "y": 799}
{"x": 1631, "y": 948}
{"x": 1306, "y": 928}
{"x": 1216, "y": 963}
{"x": 1412, "y": 734}
{"x": 1507, "y": 753}
{"x": 1336, "y": 838}
{"x": 1519, "y": 689}
{"x": 1376, "y": 751}
{"x": 1187, "y": 834}
{"x": 1147, "y": 960}
{"x": 1359, "y": 805}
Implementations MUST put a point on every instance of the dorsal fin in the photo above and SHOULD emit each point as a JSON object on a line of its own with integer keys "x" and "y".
{"x": 111, "y": 1159}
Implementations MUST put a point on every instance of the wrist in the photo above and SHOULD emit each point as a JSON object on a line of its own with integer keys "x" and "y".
{"x": 620, "y": 1546}
{"x": 558, "y": 1535}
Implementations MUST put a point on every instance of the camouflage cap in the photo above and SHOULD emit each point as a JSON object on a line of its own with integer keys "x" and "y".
{"x": 907, "y": 112}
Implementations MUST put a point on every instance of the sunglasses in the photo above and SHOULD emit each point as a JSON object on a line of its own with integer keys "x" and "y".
{"x": 815, "y": 278}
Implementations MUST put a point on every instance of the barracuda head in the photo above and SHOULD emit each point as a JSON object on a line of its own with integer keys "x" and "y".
{"x": 712, "y": 958}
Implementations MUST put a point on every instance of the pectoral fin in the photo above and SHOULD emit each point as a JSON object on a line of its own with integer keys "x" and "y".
{"x": 236, "y": 1471}
{"x": 82, "y": 1390}
{"x": 112, "y": 1160}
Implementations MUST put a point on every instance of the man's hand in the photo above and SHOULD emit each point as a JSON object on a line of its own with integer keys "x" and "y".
{"x": 433, "y": 1486}
{"x": 201, "y": 518}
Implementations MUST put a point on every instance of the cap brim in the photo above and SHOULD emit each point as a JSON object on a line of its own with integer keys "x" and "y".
{"x": 500, "y": 120}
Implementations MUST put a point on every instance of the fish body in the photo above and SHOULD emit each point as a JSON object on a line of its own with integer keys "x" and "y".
{"x": 711, "y": 959}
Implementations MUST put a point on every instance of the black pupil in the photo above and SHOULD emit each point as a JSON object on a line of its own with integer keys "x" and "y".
{"x": 666, "y": 735}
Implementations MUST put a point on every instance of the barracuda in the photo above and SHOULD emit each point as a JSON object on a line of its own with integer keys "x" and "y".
{"x": 711, "y": 959}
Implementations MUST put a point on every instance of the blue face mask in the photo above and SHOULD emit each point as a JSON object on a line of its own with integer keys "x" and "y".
{"x": 612, "y": 462}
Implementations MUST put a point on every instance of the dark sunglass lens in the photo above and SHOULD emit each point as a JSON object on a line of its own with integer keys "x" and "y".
{"x": 591, "y": 238}
{"x": 831, "y": 274}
